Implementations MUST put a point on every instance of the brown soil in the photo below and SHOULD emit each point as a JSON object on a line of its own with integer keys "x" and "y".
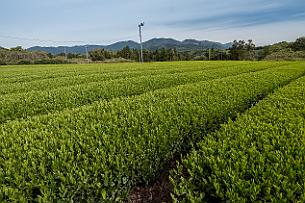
{"x": 157, "y": 192}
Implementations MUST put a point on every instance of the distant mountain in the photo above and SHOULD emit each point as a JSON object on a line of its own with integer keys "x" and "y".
{"x": 82, "y": 48}
{"x": 188, "y": 44}
{"x": 205, "y": 44}
{"x": 61, "y": 49}
{"x": 152, "y": 44}
{"x": 120, "y": 45}
{"x": 158, "y": 43}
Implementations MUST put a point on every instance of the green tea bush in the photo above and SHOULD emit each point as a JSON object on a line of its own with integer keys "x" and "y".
{"x": 19, "y": 84}
{"x": 258, "y": 158}
{"x": 33, "y": 103}
{"x": 98, "y": 152}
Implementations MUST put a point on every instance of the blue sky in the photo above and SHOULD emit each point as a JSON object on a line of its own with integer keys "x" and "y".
{"x": 70, "y": 22}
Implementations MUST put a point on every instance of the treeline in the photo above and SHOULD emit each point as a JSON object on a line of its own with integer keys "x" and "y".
{"x": 240, "y": 50}
{"x": 163, "y": 54}
{"x": 20, "y": 56}
{"x": 283, "y": 51}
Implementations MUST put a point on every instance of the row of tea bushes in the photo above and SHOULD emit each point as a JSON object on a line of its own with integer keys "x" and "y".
{"x": 258, "y": 158}
{"x": 98, "y": 152}
{"x": 23, "y": 105}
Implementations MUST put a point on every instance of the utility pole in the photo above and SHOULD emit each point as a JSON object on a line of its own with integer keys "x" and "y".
{"x": 141, "y": 45}
{"x": 87, "y": 55}
{"x": 209, "y": 54}
{"x": 65, "y": 50}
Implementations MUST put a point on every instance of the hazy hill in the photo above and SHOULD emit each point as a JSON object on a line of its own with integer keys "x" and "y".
{"x": 152, "y": 44}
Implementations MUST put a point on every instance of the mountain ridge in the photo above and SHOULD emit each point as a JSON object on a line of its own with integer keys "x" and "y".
{"x": 152, "y": 44}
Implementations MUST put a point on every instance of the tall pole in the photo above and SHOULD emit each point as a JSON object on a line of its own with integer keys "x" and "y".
{"x": 87, "y": 55}
{"x": 65, "y": 50}
{"x": 141, "y": 45}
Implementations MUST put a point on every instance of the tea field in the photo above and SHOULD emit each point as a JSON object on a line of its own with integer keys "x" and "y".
{"x": 92, "y": 132}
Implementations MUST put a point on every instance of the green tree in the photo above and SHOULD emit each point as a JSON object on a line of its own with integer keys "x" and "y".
{"x": 125, "y": 53}
{"x": 242, "y": 50}
{"x": 250, "y": 48}
{"x": 299, "y": 44}
{"x": 97, "y": 55}
{"x": 18, "y": 48}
